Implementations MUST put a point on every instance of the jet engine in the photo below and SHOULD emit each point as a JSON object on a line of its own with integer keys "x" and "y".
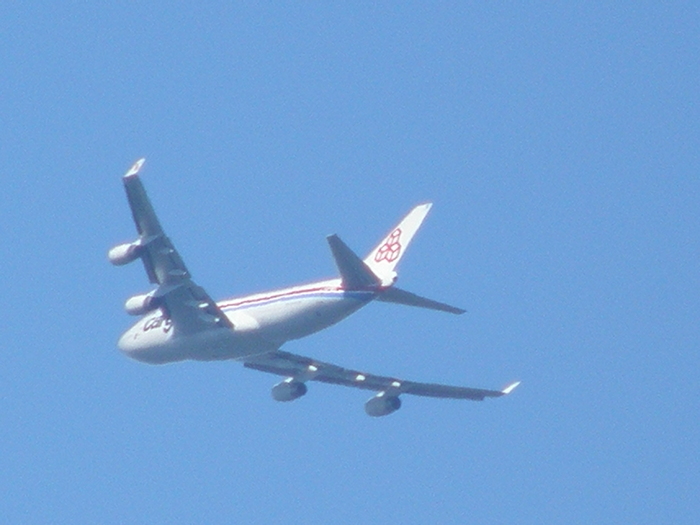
{"x": 288, "y": 390}
{"x": 140, "y": 304}
{"x": 382, "y": 405}
{"x": 124, "y": 253}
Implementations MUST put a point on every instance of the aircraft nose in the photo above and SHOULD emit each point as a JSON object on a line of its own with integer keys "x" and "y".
{"x": 132, "y": 346}
{"x": 128, "y": 342}
{"x": 147, "y": 347}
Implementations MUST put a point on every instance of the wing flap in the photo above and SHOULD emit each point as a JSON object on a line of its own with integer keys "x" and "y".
{"x": 160, "y": 258}
{"x": 191, "y": 308}
{"x": 307, "y": 369}
{"x": 450, "y": 392}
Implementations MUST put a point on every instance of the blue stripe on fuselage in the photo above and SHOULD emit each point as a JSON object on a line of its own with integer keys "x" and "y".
{"x": 242, "y": 304}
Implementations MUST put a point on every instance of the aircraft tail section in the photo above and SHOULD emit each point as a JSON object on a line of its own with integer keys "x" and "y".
{"x": 384, "y": 258}
{"x": 377, "y": 272}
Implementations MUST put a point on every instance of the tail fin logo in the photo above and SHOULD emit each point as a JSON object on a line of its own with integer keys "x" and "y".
{"x": 391, "y": 249}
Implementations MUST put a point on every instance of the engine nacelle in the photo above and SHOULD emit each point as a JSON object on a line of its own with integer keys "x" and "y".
{"x": 288, "y": 390}
{"x": 382, "y": 405}
{"x": 124, "y": 253}
{"x": 140, "y": 304}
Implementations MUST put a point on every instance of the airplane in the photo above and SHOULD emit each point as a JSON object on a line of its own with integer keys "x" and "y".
{"x": 180, "y": 320}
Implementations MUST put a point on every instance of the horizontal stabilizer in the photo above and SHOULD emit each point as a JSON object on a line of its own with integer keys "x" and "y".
{"x": 354, "y": 273}
{"x": 397, "y": 295}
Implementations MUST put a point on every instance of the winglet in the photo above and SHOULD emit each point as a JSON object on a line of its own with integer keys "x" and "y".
{"x": 507, "y": 390}
{"x": 134, "y": 170}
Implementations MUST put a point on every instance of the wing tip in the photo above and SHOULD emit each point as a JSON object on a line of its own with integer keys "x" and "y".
{"x": 507, "y": 390}
{"x": 134, "y": 170}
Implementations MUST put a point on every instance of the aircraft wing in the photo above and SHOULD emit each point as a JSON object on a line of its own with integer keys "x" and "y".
{"x": 304, "y": 369}
{"x": 181, "y": 299}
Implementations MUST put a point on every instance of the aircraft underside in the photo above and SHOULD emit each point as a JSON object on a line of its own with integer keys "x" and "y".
{"x": 180, "y": 320}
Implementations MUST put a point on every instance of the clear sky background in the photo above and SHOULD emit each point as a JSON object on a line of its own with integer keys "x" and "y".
{"x": 559, "y": 144}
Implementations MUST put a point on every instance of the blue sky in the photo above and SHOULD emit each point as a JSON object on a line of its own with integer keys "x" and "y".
{"x": 559, "y": 144}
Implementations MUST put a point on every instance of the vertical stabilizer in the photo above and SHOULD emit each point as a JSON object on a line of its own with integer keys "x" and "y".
{"x": 384, "y": 258}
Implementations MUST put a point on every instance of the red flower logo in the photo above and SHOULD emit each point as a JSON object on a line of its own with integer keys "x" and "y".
{"x": 390, "y": 250}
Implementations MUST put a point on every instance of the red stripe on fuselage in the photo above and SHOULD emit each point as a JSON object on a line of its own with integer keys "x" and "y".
{"x": 252, "y": 300}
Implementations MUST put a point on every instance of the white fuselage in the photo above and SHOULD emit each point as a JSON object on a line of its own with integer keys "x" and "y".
{"x": 261, "y": 323}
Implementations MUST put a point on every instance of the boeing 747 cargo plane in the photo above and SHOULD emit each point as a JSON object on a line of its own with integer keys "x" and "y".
{"x": 179, "y": 320}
